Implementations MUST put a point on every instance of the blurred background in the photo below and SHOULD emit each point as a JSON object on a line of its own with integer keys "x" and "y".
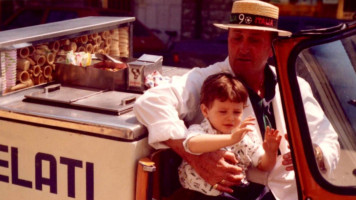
{"x": 180, "y": 30}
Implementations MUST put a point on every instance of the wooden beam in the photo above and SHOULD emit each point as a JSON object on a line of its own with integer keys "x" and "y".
{"x": 104, "y": 3}
{"x": 1, "y": 2}
{"x": 340, "y": 10}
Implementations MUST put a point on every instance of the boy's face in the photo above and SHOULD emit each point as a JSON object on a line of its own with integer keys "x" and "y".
{"x": 223, "y": 116}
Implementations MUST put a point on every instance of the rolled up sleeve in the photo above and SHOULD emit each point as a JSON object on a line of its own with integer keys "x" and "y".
{"x": 158, "y": 109}
{"x": 321, "y": 130}
{"x": 162, "y": 109}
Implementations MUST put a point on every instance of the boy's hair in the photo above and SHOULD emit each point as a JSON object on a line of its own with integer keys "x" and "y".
{"x": 224, "y": 87}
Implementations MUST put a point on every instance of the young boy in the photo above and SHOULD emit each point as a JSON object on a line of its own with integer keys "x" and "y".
{"x": 222, "y": 101}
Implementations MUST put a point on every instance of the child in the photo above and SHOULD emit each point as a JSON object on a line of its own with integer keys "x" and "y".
{"x": 223, "y": 99}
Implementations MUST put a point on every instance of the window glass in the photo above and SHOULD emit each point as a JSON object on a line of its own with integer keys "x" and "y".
{"x": 330, "y": 71}
{"x": 25, "y": 18}
{"x": 57, "y": 15}
{"x": 140, "y": 30}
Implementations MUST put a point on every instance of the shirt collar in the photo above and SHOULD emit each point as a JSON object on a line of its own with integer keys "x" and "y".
{"x": 270, "y": 85}
{"x": 270, "y": 79}
{"x": 208, "y": 128}
{"x": 226, "y": 62}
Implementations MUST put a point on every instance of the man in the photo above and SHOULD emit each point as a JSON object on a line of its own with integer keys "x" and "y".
{"x": 252, "y": 27}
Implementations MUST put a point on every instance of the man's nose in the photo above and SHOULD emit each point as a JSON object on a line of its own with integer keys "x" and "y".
{"x": 244, "y": 47}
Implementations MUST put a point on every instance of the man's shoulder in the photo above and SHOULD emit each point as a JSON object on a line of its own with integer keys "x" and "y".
{"x": 218, "y": 67}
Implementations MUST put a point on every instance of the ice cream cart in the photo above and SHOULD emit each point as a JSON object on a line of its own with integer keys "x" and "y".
{"x": 75, "y": 139}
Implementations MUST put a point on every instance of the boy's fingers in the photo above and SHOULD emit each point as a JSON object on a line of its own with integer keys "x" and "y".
{"x": 267, "y": 128}
{"x": 279, "y": 138}
{"x": 245, "y": 123}
{"x": 243, "y": 129}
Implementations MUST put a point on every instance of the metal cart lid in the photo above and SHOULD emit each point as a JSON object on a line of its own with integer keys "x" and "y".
{"x": 124, "y": 127}
{"x": 114, "y": 102}
{"x": 118, "y": 127}
{"x": 17, "y": 38}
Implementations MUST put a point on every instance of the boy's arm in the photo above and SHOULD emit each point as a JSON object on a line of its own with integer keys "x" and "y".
{"x": 203, "y": 143}
{"x": 212, "y": 167}
{"x": 207, "y": 143}
{"x": 267, "y": 161}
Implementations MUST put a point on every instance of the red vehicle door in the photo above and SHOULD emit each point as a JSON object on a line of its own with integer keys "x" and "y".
{"x": 326, "y": 59}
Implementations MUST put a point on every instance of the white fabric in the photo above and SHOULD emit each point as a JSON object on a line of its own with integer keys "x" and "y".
{"x": 248, "y": 150}
{"x": 163, "y": 109}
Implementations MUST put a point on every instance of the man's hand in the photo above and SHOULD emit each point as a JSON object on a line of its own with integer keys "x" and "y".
{"x": 219, "y": 168}
{"x": 287, "y": 159}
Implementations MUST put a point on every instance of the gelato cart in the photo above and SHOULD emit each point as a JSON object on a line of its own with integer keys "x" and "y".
{"x": 66, "y": 129}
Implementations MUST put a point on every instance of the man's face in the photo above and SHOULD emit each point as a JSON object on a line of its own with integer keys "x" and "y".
{"x": 249, "y": 51}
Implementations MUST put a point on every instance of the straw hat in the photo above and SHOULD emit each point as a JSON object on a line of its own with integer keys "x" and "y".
{"x": 255, "y": 15}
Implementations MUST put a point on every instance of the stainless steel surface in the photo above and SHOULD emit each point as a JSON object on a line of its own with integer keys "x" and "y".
{"x": 13, "y": 105}
{"x": 102, "y": 56}
{"x": 90, "y": 77}
{"x": 111, "y": 101}
{"x": 127, "y": 125}
{"x": 138, "y": 70}
{"x": 22, "y": 36}
{"x": 63, "y": 94}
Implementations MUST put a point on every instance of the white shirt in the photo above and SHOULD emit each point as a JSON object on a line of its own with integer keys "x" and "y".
{"x": 248, "y": 151}
{"x": 168, "y": 109}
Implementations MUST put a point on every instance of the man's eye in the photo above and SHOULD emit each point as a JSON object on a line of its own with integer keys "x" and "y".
{"x": 222, "y": 111}
{"x": 237, "y": 112}
{"x": 237, "y": 38}
{"x": 254, "y": 40}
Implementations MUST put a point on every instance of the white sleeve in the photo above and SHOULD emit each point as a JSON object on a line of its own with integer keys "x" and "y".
{"x": 254, "y": 146}
{"x": 162, "y": 109}
{"x": 321, "y": 131}
{"x": 193, "y": 130}
{"x": 256, "y": 156}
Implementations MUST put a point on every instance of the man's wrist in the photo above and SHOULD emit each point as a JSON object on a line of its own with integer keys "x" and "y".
{"x": 271, "y": 154}
{"x": 319, "y": 157}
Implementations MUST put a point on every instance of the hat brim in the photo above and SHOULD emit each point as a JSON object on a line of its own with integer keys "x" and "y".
{"x": 242, "y": 26}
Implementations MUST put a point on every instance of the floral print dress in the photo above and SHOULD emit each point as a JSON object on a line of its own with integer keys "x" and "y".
{"x": 245, "y": 150}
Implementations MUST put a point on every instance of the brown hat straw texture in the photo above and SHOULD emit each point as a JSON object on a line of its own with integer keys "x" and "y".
{"x": 254, "y": 15}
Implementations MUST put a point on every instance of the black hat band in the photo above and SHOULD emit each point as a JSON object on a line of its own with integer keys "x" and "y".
{"x": 255, "y": 20}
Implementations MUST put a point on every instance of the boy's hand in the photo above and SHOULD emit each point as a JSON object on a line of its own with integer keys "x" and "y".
{"x": 239, "y": 132}
{"x": 272, "y": 140}
{"x": 248, "y": 121}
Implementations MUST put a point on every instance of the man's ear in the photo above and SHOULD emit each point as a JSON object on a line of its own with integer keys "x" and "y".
{"x": 204, "y": 109}
{"x": 271, "y": 53}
